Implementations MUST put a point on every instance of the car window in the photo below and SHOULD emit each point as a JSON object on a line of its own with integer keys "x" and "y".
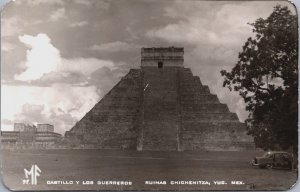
{"x": 267, "y": 155}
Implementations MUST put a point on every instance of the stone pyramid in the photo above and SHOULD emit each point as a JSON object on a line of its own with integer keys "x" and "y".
{"x": 161, "y": 106}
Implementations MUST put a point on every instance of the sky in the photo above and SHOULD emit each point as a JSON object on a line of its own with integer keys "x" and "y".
{"x": 60, "y": 57}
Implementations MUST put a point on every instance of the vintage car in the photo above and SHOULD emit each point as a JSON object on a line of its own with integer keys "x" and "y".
{"x": 274, "y": 159}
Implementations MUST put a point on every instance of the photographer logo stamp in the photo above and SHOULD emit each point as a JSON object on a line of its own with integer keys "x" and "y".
{"x": 31, "y": 175}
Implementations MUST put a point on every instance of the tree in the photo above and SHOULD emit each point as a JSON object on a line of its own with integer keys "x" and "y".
{"x": 266, "y": 76}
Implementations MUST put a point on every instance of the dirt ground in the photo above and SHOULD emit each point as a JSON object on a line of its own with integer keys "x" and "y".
{"x": 145, "y": 170}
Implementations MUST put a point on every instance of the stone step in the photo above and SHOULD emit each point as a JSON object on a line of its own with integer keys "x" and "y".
{"x": 118, "y": 102}
{"x": 214, "y": 135}
{"x": 218, "y": 146}
{"x": 208, "y": 126}
{"x": 194, "y": 116}
{"x": 116, "y": 107}
{"x": 195, "y": 95}
{"x": 205, "y": 107}
{"x": 117, "y": 143}
{"x": 160, "y": 144}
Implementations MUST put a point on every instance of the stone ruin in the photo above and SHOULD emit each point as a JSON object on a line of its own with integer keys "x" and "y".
{"x": 160, "y": 106}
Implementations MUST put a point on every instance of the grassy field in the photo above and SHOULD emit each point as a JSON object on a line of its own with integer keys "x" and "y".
{"x": 139, "y": 167}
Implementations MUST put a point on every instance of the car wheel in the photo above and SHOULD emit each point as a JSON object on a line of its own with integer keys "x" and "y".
{"x": 269, "y": 166}
{"x": 262, "y": 166}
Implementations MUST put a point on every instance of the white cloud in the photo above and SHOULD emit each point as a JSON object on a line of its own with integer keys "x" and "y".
{"x": 41, "y": 58}
{"x": 58, "y": 14}
{"x": 84, "y": 65}
{"x": 55, "y": 103}
{"x": 115, "y": 47}
{"x": 79, "y": 24}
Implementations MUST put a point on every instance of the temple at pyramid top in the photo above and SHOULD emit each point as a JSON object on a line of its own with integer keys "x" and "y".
{"x": 162, "y": 57}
